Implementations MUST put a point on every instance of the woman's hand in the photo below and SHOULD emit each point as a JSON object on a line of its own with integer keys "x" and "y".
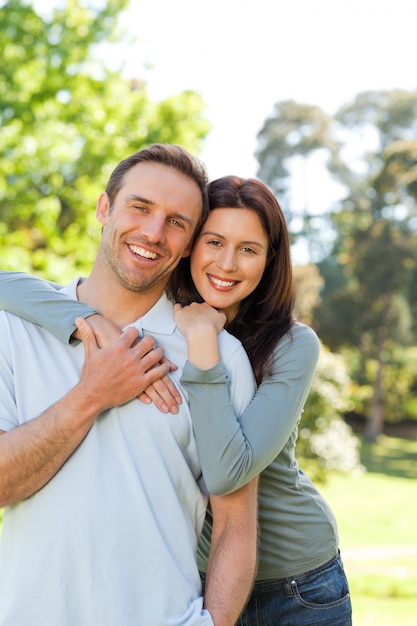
{"x": 200, "y": 324}
{"x": 198, "y": 317}
{"x": 163, "y": 393}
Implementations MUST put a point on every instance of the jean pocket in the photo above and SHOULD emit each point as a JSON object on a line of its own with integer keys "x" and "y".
{"x": 324, "y": 589}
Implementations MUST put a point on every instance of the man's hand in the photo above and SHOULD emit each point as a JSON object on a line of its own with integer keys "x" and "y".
{"x": 121, "y": 371}
{"x": 162, "y": 392}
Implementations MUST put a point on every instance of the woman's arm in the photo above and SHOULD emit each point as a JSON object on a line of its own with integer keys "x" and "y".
{"x": 40, "y": 302}
{"x": 232, "y": 449}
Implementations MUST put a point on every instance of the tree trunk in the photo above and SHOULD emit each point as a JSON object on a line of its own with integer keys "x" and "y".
{"x": 375, "y": 425}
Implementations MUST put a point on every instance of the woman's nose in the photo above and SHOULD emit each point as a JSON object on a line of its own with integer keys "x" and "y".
{"x": 227, "y": 260}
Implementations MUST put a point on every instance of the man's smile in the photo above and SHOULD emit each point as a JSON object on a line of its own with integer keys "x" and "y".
{"x": 146, "y": 254}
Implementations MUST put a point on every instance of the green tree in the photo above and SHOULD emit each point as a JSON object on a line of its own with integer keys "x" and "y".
{"x": 65, "y": 121}
{"x": 307, "y": 285}
{"x": 368, "y": 301}
{"x": 369, "y": 308}
{"x": 294, "y": 135}
{"x": 377, "y": 237}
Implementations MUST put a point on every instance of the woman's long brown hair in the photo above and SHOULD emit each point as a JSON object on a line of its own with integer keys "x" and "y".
{"x": 266, "y": 314}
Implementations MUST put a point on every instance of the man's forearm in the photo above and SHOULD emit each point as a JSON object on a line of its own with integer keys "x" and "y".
{"x": 31, "y": 454}
{"x": 232, "y": 563}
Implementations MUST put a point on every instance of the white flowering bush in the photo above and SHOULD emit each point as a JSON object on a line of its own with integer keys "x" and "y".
{"x": 325, "y": 441}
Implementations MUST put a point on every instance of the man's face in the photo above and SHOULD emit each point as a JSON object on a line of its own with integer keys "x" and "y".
{"x": 150, "y": 225}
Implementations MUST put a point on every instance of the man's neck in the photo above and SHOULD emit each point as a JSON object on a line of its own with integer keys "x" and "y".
{"x": 116, "y": 303}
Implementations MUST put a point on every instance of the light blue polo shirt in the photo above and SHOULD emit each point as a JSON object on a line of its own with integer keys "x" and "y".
{"x": 111, "y": 540}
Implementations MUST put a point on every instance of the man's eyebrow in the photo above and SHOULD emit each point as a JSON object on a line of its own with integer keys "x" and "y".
{"x": 135, "y": 198}
{"x": 184, "y": 218}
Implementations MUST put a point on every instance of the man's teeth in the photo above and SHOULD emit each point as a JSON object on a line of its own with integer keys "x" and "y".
{"x": 223, "y": 283}
{"x": 145, "y": 253}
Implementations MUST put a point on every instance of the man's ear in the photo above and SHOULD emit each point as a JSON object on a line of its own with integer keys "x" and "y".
{"x": 102, "y": 208}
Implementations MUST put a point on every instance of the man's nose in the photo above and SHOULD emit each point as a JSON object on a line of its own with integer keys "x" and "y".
{"x": 154, "y": 228}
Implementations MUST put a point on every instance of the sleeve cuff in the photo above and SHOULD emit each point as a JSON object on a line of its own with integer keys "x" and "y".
{"x": 192, "y": 374}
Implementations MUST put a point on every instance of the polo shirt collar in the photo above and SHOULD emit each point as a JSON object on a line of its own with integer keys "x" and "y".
{"x": 159, "y": 319}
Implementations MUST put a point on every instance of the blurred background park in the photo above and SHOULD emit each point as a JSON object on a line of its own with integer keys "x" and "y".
{"x": 318, "y": 100}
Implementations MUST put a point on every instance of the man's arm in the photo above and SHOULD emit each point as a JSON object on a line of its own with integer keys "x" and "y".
{"x": 232, "y": 562}
{"x": 31, "y": 454}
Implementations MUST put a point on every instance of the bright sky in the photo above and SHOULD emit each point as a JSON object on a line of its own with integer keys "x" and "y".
{"x": 244, "y": 56}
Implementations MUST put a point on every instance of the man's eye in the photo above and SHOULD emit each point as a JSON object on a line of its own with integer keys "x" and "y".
{"x": 177, "y": 223}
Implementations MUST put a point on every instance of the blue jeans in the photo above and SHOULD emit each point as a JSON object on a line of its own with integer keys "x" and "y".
{"x": 320, "y": 598}
{"x": 317, "y": 598}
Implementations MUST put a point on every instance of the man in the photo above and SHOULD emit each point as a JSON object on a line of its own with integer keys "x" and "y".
{"x": 103, "y": 495}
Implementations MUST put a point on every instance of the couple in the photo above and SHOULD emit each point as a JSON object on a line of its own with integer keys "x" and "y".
{"x": 105, "y": 497}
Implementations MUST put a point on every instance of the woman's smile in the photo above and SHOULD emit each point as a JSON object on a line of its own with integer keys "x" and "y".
{"x": 221, "y": 283}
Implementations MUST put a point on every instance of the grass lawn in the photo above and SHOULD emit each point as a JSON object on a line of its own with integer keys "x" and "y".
{"x": 377, "y": 513}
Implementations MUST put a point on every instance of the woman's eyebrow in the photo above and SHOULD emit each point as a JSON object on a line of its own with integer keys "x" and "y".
{"x": 212, "y": 233}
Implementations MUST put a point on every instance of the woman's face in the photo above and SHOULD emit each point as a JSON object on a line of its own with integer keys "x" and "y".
{"x": 229, "y": 258}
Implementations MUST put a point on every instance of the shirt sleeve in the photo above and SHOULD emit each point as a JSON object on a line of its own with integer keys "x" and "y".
{"x": 234, "y": 448}
{"x": 40, "y": 302}
{"x": 8, "y": 407}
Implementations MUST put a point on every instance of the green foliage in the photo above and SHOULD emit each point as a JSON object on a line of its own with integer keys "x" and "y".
{"x": 399, "y": 382}
{"x": 399, "y": 170}
{"x": 307, "y": 285}
{"x": 325, "y": 441}
{"x": 373, "y": 286}
{"x": 65, "y": 122}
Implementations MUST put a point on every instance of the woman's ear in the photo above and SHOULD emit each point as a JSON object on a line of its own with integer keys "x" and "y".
{"x": 103, "y": 208}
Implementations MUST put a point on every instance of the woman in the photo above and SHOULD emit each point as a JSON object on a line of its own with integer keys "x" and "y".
{"x": 241, "y": 268}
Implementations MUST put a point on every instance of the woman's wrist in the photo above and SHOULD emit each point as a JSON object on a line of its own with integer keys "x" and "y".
{"x": 203, "y": 349}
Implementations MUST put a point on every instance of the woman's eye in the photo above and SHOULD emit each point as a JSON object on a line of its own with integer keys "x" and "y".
{"x": 214, "y": 242}
{"x": 249, "y": 250}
